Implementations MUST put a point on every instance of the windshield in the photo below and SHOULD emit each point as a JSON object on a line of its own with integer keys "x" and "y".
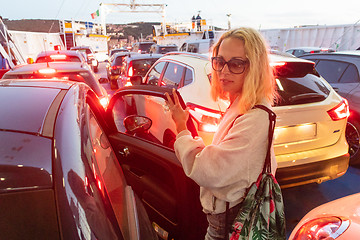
{"x": 49, "y": 59}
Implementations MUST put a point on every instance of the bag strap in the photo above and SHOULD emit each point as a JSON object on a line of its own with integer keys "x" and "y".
{"x": 272, "y": 121}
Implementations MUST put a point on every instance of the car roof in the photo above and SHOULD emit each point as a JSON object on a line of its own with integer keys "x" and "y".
{"x": 58, "y": 66}
{"x": 308, "y": 48}
{"x": 80, "y": 47}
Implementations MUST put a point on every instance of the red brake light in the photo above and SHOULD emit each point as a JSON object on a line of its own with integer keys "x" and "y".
{"x": 208, "y": 120}
{"x": 58, "y": 57}
{"x": 312, "y": 51}
{"x": 340, "y": 111}
{"x": 322, "y": 228}
{"x": 131, "y": 70}
{"x": 139, "y": 51}
{"x": 47, "y": 71}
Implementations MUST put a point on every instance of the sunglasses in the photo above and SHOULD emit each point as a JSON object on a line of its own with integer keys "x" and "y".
{"x": 236, "y": 66}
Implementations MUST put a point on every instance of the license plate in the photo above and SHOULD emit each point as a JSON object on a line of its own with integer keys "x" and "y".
{"x": 294, "y": 133}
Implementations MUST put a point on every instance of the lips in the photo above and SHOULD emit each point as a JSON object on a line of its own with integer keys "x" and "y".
{"x": 223, "y": 80}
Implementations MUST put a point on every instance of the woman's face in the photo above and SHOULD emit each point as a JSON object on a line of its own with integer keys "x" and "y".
{"x": 231, "y": 48}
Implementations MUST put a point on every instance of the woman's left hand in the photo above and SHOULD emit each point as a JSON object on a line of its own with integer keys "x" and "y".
{"x": 179, "y": 115}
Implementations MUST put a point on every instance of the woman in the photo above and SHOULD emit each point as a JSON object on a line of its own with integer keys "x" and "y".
{"x": 226, "y": 168}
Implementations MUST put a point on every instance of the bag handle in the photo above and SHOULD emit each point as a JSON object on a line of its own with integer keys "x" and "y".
{"x": 272, "y": 121}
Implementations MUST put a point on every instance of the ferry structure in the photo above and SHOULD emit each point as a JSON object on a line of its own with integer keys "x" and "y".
{"x": 339, "y": 37}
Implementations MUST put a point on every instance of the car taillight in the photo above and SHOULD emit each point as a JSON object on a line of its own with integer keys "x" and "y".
{"x": 139, "y": 51}
{"x": 208, "y": 120}
{"x": 340, "y": 111}
{"x": 47, "y": 71}
{"x": 58, "y": 57}
{"x": 115, "y": 67}
{"x": 322, "y": 228}
{"x": 104, "y": 101}
{"x": 131, "y": 70}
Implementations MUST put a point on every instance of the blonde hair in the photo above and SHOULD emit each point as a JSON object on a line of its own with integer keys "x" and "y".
{"x": 259, "y": 83}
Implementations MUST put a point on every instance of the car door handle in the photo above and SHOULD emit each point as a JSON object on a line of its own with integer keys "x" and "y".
{"x": 124, "y": 152}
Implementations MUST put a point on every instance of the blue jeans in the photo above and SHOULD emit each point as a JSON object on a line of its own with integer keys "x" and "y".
{"x": 216, "y": 229}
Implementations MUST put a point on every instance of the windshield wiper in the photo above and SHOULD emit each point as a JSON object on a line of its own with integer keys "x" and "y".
{"x": 307, "y": 97}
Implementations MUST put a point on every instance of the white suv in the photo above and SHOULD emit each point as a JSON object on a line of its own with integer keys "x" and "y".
{"x": 309, "y": 141}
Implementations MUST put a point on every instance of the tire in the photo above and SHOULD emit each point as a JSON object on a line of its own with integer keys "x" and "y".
{"x": 352, "y": 135}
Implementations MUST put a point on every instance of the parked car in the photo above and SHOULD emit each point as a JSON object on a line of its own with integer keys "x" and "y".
{"x": 310, "y": 144}
{"x": 60, "y": 178}
{"x": 141, "y": 47}
{"x": 338, "y": 219}
{"x": 299, "y": 51}
{"x": 162, "y": 49}
{"x": 116, "y": 50}
{"x": 90, "y": 56}
{"x": 73, "y": 71}
{"x": 60, "y": 56}
{"x": 135, "y": 65}
{"x": 342, "y": 71}
{"x": 113, "y": 67}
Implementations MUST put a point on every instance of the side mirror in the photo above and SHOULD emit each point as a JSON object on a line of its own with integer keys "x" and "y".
{"x": 137, "y": 124}
{"x": 103, "y": 80}
{"x": 136, "y": 80}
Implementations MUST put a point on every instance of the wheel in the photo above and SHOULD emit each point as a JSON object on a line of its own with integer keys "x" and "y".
{"x": 352, "y": 137}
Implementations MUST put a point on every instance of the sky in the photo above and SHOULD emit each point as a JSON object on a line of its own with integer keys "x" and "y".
{"x": 259, "y": 14}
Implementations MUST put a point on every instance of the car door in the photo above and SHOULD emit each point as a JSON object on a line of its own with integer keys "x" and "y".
{"x": 149, "y": 163}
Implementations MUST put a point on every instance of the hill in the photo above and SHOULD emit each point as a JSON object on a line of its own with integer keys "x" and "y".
{"x": 116, "y": 31}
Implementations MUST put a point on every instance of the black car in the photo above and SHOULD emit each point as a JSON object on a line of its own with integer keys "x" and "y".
{"x": 142, "y": 133}
{"x": 133, "y": 64}
{"x": 342, "y": 71}
{"x": 59, "y": 176}
{"x": 90, "y": 56}
{"x": 73, "y": 71}
{"x": 113, "y": 67}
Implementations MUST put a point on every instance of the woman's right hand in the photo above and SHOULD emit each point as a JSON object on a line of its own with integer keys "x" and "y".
{"x": 178, "y": 114}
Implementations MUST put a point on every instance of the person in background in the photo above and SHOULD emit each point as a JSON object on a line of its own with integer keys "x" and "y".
{"x": 198, "y": 22}
{"x": 225, "y": 169}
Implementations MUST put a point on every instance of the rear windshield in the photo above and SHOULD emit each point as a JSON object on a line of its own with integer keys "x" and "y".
{"x": 145, "y": 46}
{"x": 140, "y": 67}
{"x": 48, "y": 59}
{"x": 301, "y": 90}
{"x": 119, "y": 60}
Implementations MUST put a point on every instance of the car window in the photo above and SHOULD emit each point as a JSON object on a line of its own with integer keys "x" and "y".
{"x": 351, "y": 75}
{"x": 193, "y": 47}
{"x": 188, "y": 76}
{"x": 154, "y": 75}
{"x": 173, "y": 74}
{"x": 301, "y": 90}
{"x": 298, "y": 52}
{"x": 331, "y": 70}
{"x": 162, "y": 130}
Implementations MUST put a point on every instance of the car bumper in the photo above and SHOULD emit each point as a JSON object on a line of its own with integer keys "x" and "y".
{"x": 313, "y": 172}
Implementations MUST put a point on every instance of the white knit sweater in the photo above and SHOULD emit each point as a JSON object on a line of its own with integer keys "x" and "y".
{"x": 234, "y": 160}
